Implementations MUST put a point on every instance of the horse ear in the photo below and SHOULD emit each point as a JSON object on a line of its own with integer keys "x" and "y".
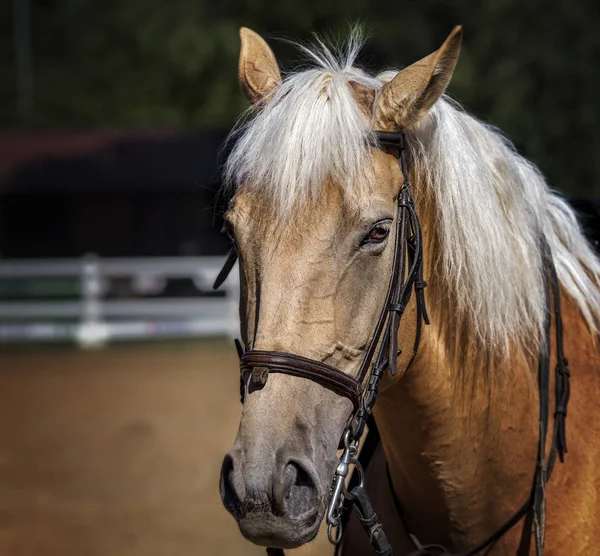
{"x": 258, "y": 69}
{"x": 407, "y": 98}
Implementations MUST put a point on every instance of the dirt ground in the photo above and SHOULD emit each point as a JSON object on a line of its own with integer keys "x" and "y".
{"x": 117, "y": 452}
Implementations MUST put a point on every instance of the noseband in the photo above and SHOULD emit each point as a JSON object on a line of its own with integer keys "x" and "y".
{"x": 381, "y": 354}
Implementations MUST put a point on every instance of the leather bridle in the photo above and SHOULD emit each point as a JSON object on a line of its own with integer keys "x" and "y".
{"x": 381, "y": 354}
{"x": 407, "y": 249}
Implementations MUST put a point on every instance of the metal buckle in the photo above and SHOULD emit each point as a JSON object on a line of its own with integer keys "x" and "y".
{"x": 339, "y": 491}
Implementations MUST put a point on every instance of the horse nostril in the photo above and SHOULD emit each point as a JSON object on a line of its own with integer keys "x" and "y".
{"x": 230, "y": 497}
{"x": 301, "y": 494}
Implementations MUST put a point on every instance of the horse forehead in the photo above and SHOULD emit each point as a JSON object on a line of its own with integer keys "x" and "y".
{"x": 253, "y": 213}
{"x": 252, "y": 209}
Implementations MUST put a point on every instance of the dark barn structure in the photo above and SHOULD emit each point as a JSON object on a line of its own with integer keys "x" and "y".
{"x": 120, "y": 194}
{"x": 111, "y": 193}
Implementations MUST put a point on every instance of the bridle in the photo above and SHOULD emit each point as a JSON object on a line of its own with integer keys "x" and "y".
{"x": 381, "y": 354}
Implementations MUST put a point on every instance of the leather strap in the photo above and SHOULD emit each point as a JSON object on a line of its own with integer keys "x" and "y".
{"x": 232, "y": 257}
{"x": 368, "y": 519}
{"x": 535, "y": 505}
{"x": 327, "y": 376}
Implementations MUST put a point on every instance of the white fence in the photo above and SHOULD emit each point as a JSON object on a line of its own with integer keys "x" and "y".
{"x": 90, "y": 319}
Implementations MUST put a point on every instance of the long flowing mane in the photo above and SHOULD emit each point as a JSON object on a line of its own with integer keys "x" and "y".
{"x": 484, "y": 205}
{"x": 491, "y": 206}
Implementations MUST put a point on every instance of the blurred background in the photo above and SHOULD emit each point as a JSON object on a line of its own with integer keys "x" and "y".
{"x": 118, "y": 380}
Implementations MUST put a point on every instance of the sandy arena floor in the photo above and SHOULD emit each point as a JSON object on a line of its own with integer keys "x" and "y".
{"x": 117, "y": 452}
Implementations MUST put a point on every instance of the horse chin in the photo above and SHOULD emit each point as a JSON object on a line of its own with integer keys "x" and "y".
{"x": 280, "y": 531}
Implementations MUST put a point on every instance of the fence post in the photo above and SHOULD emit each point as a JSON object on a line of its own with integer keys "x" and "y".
{"x": 92, "y": 331}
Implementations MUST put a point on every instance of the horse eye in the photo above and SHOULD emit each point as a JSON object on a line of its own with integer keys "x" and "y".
{"x": 377, "y": 234}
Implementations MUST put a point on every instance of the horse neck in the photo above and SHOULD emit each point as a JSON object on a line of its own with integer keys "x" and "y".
{"x": 460, "y": 443}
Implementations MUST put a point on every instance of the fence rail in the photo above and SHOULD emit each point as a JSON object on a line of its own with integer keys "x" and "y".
{"x": 95, "y": 320}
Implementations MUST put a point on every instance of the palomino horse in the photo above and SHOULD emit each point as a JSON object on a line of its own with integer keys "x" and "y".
{"x": 315, "y": 221}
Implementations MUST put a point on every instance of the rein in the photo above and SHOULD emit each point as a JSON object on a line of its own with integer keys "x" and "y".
{"x": 535, "y": 505}
{"x": 361, "y": 390}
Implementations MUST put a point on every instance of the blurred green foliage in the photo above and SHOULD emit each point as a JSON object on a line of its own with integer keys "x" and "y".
{"x": 529, "y": 67}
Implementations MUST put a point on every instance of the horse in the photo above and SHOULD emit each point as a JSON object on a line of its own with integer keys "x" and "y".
{"x": 314, "y": 222}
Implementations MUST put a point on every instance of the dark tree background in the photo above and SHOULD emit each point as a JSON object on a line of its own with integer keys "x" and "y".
{"x": 529, "y": 67}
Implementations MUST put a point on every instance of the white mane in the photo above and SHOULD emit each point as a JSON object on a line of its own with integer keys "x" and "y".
{"x": 491, "y": 207}
{"x": 489, "y": 203}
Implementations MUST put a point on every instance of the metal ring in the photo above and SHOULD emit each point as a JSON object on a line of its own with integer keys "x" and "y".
{"x": 361, "y": 471}
{"x": 338, "y": 533}
{"x": 361, "y": 479}
{"x": 347, "y": 441}
{"x": 350, "y": 445}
